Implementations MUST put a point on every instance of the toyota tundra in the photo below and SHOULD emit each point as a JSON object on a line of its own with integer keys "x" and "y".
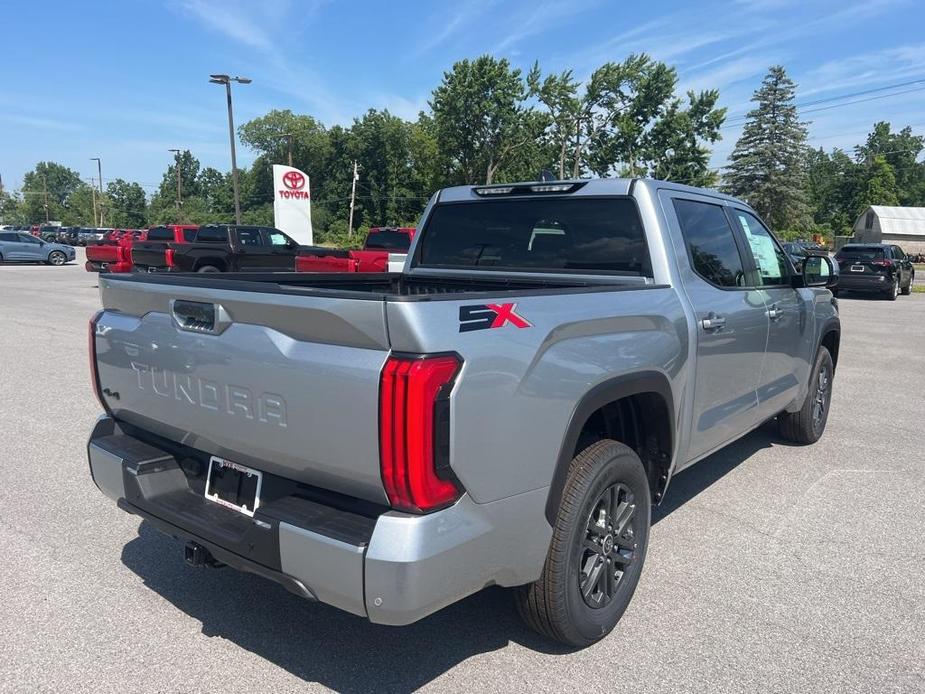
{"x": 505, "y": 411}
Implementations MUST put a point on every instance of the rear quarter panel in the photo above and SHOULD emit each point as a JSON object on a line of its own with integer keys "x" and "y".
{"x": 518, "y": 387}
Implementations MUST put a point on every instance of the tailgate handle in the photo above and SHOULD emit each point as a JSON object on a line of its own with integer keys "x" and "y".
{"x": 198, "y": 316}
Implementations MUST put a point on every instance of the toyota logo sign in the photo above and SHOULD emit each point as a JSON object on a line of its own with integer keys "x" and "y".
{"x": 293, "y": 180}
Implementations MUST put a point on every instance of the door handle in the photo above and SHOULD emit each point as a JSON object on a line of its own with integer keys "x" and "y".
{"x": 713, "y": 322}
{"x": 775, "y": 313}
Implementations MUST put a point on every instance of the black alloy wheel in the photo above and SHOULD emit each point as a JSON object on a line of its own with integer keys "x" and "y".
{"x": 609, "y": 546}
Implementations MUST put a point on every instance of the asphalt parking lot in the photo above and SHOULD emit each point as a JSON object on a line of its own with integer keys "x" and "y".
{"x": 771, "y": 567}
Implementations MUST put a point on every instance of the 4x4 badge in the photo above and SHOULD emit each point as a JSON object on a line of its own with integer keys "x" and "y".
{"x": 485, "y": 316}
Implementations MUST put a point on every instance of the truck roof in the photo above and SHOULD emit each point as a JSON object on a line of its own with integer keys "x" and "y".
{"x": 589, "y": 186}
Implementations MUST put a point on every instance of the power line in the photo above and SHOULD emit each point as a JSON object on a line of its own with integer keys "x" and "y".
{"x": 835, "y": 106}
{"x": 744, "y": 117}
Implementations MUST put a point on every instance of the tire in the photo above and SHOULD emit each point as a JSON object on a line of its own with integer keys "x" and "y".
{"x": 607, "y": 472}
{"x": 834, "y": 291}
{"x": 57, "y": 258}
{"x": 808, "y": 424}
{"x": 208, "y": 268}
{"x": 893, "y": 291}
{"x": 907, "y": 290}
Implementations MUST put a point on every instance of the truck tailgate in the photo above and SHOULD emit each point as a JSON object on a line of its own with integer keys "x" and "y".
{"x": 147, "y": 254}
{"x": 283, "y": 383}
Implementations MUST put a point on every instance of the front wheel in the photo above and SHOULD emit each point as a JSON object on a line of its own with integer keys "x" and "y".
{"x": 597, "y": 550}
{"x": 208, "y": 268}
{"x": 807, "y": 424}
{"x": 57, "y": 258}
{"x": 907, "y": 290}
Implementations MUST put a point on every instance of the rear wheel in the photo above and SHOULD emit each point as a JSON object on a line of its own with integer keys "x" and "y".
{"x": 208, "y": 268}
{"x": 597, "y": 550}
{"x": 57, "y": 258}
{"x": 907, "y": 290}
{"x": 807, "y": 424}
{"x": 893, "y": 291}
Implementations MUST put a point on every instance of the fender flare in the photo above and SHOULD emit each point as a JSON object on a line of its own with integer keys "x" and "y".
{"x": 603, "y": 393}
{"x": 832, "y": 325}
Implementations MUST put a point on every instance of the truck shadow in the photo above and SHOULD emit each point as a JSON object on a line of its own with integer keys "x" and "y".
{"x": 321, "y": 644}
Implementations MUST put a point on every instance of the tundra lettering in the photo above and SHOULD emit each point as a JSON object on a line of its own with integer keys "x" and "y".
{"x": 268, "y": 408}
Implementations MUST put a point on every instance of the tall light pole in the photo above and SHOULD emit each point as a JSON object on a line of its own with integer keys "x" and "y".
{"x": 99, "y": 170}
{"x": 179, "y": 195}
{"x": 226, "y": 80}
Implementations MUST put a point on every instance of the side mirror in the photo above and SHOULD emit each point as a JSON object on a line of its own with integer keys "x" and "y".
{"x": 819, "y": 271}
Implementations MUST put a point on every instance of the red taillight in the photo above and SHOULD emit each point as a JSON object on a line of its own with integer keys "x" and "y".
{"x": 168, "y": 256}
{"x": 414, "y": 432}
{"x": 882, "y": 263}
{"x": 94, "y": 369}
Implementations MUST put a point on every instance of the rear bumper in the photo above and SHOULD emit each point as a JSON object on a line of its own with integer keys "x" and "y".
{"x": 101, "y": 266}
{"x": 864, "y": 282}
{"x": 393, "y": 568}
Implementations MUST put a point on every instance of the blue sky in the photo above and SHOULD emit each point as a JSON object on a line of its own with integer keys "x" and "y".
{"x": 126, "y": 81}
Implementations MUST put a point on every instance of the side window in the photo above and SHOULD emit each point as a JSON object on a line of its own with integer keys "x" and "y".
{"x": 250, "y": 237}
{"x": 710, "y": 243}
{"x": 276, "y": 238}
{"x": 898, "y": 253}
{"x": 212, "y": 235}
{"x": 9, "y": 237}
{"x": 770, "y": 259}
{"x": 28, "y": 238}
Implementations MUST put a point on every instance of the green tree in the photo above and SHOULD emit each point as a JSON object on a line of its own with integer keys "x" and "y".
{"x": 901, "y": 151}
{"x": 626, "y": 120}
{"x": 877, "y": 185}
{"x": 60, "y": 183}
{"x": 767, "y": 165}
{"x": 127, "y": 206}
{"x": 830, "y": 188}
{"x": 480, "y": 118}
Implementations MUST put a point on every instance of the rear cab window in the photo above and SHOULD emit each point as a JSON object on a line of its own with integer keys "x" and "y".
{"x": 861, "y": 253}
{"x": 388, "y": 241}
{"x": 160, "y": 234}
{"x": 582, "y": 235}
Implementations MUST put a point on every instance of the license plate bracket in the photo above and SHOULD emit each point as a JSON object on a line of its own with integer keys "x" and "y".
{"x": 857, "y": 268}
{"x": 233, "y": 485}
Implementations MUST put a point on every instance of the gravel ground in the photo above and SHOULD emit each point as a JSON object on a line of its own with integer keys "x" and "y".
{"x": 771, "y": 567}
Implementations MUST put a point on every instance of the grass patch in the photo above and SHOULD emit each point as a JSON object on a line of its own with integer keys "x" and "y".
{"x": 918, "y": 288}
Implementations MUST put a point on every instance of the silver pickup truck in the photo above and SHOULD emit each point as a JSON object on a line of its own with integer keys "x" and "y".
{"x": 506, "y": 411}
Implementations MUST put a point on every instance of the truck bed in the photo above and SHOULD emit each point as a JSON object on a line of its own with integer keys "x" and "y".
{"x": 384, "y": 286}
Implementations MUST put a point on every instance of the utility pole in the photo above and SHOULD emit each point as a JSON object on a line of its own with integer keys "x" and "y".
{"x": 99, "y": 170}
{"x": 45, "y": 191}
{"x": 288, "y": 137}
{"x": 226, "y": 80}
{"x": 353, "y": 194}
{"x": 93, "y": 196}
{"x": 179, "y": 194}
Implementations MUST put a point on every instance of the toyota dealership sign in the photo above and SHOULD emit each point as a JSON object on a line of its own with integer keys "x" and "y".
{"x": 292, "y": 203}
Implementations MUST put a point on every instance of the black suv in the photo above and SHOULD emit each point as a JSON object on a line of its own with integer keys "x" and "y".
{"x": 875, "y": 267}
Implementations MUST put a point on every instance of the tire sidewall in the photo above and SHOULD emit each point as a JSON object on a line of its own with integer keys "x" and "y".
{"x": 823, "y": 359}
{"x": 589, "y": 623}
{"x": 56, "y": 254}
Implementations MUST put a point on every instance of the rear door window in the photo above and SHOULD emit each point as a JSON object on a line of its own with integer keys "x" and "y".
{"x": 711, "y": 244}
{"x": 212, "y": 235}
{"x": 250, "y": 238}
{"x": 571, "y": 235}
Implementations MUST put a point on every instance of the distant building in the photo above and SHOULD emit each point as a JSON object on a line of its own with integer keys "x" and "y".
{"x": 904, "y": 226}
